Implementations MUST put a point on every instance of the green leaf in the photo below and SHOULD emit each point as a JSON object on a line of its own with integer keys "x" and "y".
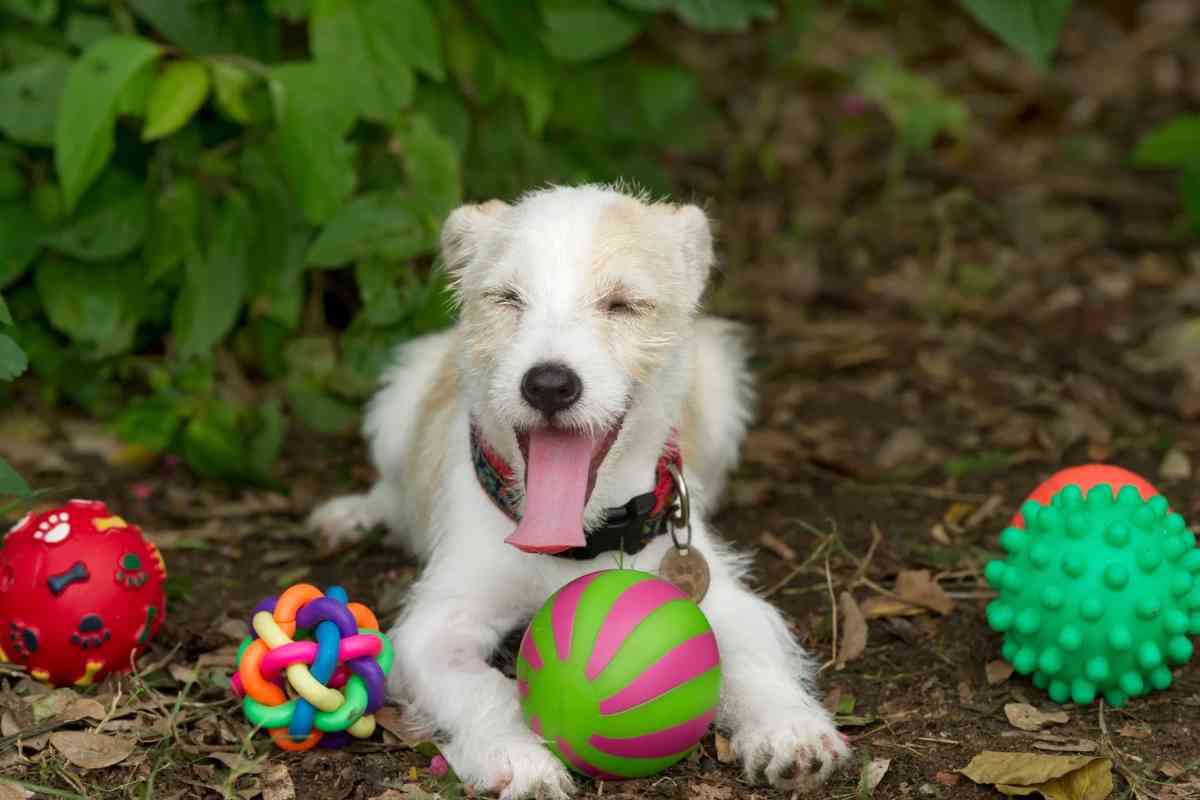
{"x": 317, "y": 409}
{"x": 267, "y": 442}
{"x": 1189, "y": 195}
{"x": 83, "y": 139}
{"x": 84, "y": 30}
{"x": 1175, "y": 143}
{"x": 383, "y": 302}
{"x": 29, "y": 100}
{"x": 41, "y": 12}
{"x": 240, "y": 95}
{"x": 95, "y": 305}
{"x": 5, "y": 314}
{"x": 386, "y": 224}
{"x": 431, "y": 164}
{"x": 915, "y": 104}
{"x": 445, "y": 108}
{"x": 711, "y": 16}
{"x": 291, "y": 10}
{"x": 12, "y": 179}
{"x": 582, "y": 30}
{"x": 374, "y": 45}
{"x": 1031, "y": 27}
{"x": 11, "y": 483}
{"x": 177, "y": 94}
{"x": 152, "y": 422}
{"x": 214, "y": 444}
{"x": 110, "y": 222}
{"x": 215, "y": 286}
{"x": 174, "y": 232}
{"x": 20, "y": 240}
{"x": 135, "y": 95}
{"x": 12, "y": 359}
{"x": 667, "y": 94}
{"x": 314, "y": 115}
{"x": 203, "y": 27}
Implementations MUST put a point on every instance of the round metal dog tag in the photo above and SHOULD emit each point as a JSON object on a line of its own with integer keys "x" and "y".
{"x": 687, "y": 569}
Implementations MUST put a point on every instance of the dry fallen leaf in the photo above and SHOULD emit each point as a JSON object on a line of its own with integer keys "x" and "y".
{"x": 998, "y": 671}
{"x": 91, "y": 750}
{"x": 181, "y": 673}
{"x": 83, "y": 708}
{"x": 710, "y": 791}
{"x": 724, "y": 749}
{"x": 238, "y": 763}
{"x": 1135, "y": 730}
{"x": 1061, "y": 744}
{"x": 879, "y": 606}
{"x": 9, "y": 791}
{"x": 1175, "y": 465}
{"x": 853, "y": 630}
{"x": 918, "y": 587}
{"x": 946, "y": 778}
{"x": 1028, "y": 718}
{"x": 872, "y": 773}
{"x": 277, "y": 783}
{"x": 1056, "y": 777}
{"x": 235, "y": 629}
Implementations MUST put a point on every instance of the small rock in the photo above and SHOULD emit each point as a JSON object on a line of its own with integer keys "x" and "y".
{"x": 1176, "y": 466}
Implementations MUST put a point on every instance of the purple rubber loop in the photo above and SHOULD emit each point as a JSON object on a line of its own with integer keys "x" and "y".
{"x": 325, "y": 609}
{"x": 368, "y": 669}
{"x": 267, "y": 605}
{"x": 334, "y": 739}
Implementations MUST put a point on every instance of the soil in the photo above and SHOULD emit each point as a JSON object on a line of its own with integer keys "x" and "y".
{"x": 930, "y": 345}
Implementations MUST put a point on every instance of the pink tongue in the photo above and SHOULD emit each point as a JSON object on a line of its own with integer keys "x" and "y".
{"x": 556, "y": 486}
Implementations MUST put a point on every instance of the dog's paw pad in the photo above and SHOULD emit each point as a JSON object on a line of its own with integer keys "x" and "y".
{"x": 530, "y": 771}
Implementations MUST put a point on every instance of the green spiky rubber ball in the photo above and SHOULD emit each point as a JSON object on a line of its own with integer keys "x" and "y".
{"x": 1098, "y": 595}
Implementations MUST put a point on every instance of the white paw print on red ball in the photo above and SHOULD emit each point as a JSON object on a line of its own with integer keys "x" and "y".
{"x": 54, "y": 528}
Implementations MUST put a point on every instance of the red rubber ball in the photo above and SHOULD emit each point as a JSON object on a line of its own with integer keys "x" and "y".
{"x": 81, "y": 591}
{"x": 1085, "y": 476}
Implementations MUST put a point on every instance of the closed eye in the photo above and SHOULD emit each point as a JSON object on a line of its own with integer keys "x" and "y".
{"x": 620, "y": 305}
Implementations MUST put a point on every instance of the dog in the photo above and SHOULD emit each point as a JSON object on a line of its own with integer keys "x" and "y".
{"x": 580, "y": 364}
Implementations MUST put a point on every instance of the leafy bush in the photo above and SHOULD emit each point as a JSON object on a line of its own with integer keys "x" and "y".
{"x": 1176, "y": 145}
{"x": 200, "y": 195}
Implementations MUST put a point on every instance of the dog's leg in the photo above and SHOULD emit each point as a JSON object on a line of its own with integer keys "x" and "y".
{"x": 779, "y": 729}
{"x": 442, "y": 645}
{"x": 345, "y": 520}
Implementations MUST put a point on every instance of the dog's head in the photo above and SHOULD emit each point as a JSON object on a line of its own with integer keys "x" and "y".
{"x": 573, "y": 301}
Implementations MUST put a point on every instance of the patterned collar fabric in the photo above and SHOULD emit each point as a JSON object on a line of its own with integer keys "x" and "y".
{"x": 628, "y": 528}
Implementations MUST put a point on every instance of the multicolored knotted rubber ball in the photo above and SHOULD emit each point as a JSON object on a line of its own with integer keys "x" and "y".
{"x": 317, "y": 671}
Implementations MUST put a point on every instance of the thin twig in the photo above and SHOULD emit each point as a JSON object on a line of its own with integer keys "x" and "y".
{"x": 833, "y": 613}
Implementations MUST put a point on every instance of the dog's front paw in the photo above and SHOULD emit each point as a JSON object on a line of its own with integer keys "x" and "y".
{"x": 797, "y": 753}
{"x": 342, "y": 522}
{"x": 521, "y": 770}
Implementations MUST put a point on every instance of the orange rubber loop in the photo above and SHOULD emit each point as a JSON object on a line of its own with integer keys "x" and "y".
{"x": 364, "y": 616}
{"x": 250, "y": 671}
{"x": 290, "y": 602}
{"x": 286, "y": 742}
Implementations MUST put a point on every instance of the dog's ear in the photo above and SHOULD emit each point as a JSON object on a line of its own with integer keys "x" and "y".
{"x": 696, "y": 245}
{"x": 465, "y": 228}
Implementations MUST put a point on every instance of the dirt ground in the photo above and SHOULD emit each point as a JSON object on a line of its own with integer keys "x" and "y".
{"x": 930, "y": 346}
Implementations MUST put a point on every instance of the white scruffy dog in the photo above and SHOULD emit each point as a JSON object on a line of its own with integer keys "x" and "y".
{"x": 579, "y": 353}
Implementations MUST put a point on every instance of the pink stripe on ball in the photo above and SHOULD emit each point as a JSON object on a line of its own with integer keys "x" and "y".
{"x": 562, "y": 616}
{"x": 696, "y": 655}
{"x": 580, "y": 764}
{"x": 529, "y": 650}
{"x": 634, "y": 605}
{"x": 661, "y": 744}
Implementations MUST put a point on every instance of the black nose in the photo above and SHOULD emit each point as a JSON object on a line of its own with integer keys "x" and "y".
{"x": 551, "y": 388}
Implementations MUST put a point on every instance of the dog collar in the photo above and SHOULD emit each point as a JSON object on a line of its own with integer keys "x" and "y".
{"x": 628, "y": 528}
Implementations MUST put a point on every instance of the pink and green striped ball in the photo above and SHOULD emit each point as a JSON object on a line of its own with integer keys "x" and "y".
{"x": 619, "y": 673}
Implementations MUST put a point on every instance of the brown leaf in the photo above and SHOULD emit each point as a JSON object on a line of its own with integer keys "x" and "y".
{"x": 235, "y": 629}
{"x": 724, "y": 750}
{"x": 181, "y": 673}
{"x": 884, "y": 606}
{"x": 1172, "y": 769}
{"x": 1028, "y": 718}
{"x": 946, "y": 778}
{"x": 1056, "y": 777}
{"x": 777, "y": 546}
{"x": 872, "y": 773}
{"x": 406, "y": 730}
{"x": 1135, "y": 730}
{"x": 84, "y": 708}
{"x": 710, "y": 791}
{"x": 10, "y": 791}
{"x": 91, "y": 750}
{"x": 902, "y": 446}
{"x": 277, "y": 783}
{"x": 1061, "y": 744}
{"x": 853, "y": 630}
{"x": 238, "y": 763}
{"x": 52, "y": 703}
{"x": 998, "y": 671}
{"x": 919, "y": 588}
{"x": 1176, "y": 466}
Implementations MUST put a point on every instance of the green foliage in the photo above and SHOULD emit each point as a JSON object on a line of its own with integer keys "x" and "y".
{"x": 1031, "y": 27}
{"x": 1176, "y": 145}
{"x": 192, "y": 192}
